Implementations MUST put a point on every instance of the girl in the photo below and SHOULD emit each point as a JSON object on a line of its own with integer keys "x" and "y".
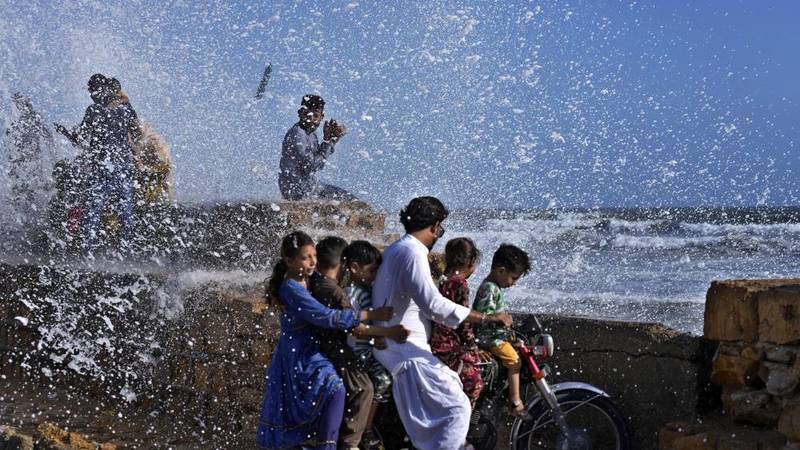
{"x": 304, "y": 397}
{"x": 457, "y": 348}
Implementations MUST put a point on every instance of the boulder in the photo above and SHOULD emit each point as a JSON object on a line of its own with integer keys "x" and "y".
{"x": 779, "y": 314}
{"x": 782, "y": 354}
{"x": 789, "y": 423}
{"x": 751, "y": 440}
{"x": 701, "y": 441}
{"x": 735, "y": 367}
{"x": 757, "y": 407}
{"x": 782, "y": 381}
{"x": 13, "y": 439}
{"x": 731, "y": 312}
{"x": 720, "y": 434}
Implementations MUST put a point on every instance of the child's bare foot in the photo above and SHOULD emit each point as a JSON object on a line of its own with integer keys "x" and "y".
{"x": 517, "y": 410}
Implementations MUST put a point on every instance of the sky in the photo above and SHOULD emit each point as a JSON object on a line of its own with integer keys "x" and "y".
{"x": 506, "y": 104}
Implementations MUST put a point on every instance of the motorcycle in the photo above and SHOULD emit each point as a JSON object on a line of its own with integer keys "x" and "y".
{"x": 562, "y": 416}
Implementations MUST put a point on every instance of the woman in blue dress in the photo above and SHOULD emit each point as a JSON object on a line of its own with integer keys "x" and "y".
{"x": 304, "y": 397}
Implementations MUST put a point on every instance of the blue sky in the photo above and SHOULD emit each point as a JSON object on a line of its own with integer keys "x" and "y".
{"x": 485, "y": 104}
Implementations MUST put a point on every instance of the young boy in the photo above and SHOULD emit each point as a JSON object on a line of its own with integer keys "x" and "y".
{"x": 324, "y": 286}
{"x": 361, "y": 261}
{"x": 509, "y": 263}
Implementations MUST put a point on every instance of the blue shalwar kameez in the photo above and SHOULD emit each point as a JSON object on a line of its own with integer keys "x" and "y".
{"x": 301, "y": 381}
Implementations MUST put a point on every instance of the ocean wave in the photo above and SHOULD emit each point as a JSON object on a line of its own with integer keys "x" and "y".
{"x": 683, "y": 313}
{"x": 664, "y": 242}
{"x": 527, "y": 295}
{"x": 760, "y": 229}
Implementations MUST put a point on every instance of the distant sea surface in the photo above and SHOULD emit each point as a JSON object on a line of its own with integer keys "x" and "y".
{"x": 650, "y": 265}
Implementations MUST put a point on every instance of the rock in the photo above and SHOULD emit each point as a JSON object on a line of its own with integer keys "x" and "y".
{"x": 731, "y": 312}
{"x": 789, "y": 423}
{"x": 779, "y": 314}
{"x": 782, "y": 381}
{"x": 751, "y": 440}
{"x": 752, "y": 406}
{"x": 735, "y": 369}
{"x": 701, "y": 441}
{"x": 732, "y": 443}
{"x": 782, "y": 354}
{"x": 719, "y": 435}
{"x": 12, "y": 439}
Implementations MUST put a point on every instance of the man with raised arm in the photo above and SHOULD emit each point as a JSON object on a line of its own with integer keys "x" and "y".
{"x": 302, "y": 155}
{"x": 432, "y": 406}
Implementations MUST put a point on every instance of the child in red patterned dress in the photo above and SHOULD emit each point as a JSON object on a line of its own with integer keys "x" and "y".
{"x": 457, "y": 348}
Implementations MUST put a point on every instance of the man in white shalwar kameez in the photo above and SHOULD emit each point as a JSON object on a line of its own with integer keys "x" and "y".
{"x": 429, "y": 396}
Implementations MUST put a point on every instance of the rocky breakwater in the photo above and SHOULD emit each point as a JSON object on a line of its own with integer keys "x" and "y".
{"x": 226, "y": 235}
{"x": 756, "y": 325}
{"x": 106, "y": 358}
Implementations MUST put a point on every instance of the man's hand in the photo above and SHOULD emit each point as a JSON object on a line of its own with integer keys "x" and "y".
{"x": 379, "y": 343}
{"x": 332, "y": 131}
{"x": 381, "y": 314}
{"x": 503, "y": 319}
{"x": 398, "y": 333}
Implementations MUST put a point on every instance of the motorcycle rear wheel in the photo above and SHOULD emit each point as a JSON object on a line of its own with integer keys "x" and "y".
{"x": 592, "y": 416}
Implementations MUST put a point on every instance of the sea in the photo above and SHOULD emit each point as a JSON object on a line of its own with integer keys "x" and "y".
{"x": 650, "y": 265}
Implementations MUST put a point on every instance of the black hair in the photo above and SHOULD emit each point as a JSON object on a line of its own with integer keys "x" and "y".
{"x": 422, "y": 212}
{"x": 97, "y": 82}
{"x": 513, "y": 258}
{"x": 290, "y": 247}
{"x": 361, "y": 252}
{"x": 115, "y": 85}
{"x": 329, "y": 252}
{"x": 310, "y": 102}
{"x": 460, "y": 252}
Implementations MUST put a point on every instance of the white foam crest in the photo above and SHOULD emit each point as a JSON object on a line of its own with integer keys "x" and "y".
{"x": 620, "y": 225}
{"x": 752, "y": 228}
{"x": 522, "y": 296}
{"x": 663, "y": 242}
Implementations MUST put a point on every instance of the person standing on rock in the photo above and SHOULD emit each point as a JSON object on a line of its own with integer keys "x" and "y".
{"x": 429, "y": 397}
{"x": 302, "y": 156}
{"x": 105, "y": 137}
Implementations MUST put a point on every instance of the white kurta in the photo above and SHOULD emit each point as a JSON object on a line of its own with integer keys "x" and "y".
{"x": 428, "y": 394}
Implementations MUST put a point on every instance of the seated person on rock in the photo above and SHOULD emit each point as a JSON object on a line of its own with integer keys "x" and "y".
{"x": 302, "y": 156}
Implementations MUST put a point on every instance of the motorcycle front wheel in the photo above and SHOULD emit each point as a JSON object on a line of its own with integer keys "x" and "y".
{"x": 594, "y": 421}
